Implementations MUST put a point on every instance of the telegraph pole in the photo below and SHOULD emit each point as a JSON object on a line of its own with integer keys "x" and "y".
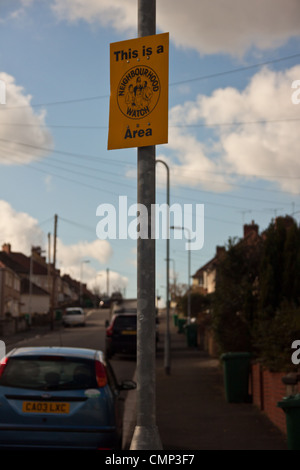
{"x": 30, "y": 287}
{"x": 49, "y": 259}
{"x": 146, "y": 435}
{"x": 53, "y": 274}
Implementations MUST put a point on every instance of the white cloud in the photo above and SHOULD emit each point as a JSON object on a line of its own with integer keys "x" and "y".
{"x": 260, "y": 147}
{"x": 19, "y": 229}
{"x": 120, "y": 14}
{"x": 116, "y": 282}
{"x": 20, "y": 124}
{"x": 231, "y": 26}
{"x": 22, "y": 232}
{"x": 80, "y": 261}
{"x": 72, "y": 255}
{"x": 96, "y": 279}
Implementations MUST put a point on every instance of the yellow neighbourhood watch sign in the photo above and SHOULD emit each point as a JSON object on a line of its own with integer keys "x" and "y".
{"x": 139, "y": 90}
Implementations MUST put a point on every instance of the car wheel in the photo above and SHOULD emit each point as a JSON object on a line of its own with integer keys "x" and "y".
{"x": 120, "y": 443}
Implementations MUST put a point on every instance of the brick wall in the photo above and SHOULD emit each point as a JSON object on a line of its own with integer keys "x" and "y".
{"x": 267, "y": 391}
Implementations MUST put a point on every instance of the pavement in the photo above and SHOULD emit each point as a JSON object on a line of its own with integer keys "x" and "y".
{"x": 191, "y": 409}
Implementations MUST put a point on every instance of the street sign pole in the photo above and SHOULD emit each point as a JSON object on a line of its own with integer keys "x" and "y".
{"x": 146, "y": 436}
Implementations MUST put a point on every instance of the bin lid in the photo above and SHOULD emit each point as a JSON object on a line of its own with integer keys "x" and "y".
{"x": 292, "y": 401}
{"x": 235, "y": 355}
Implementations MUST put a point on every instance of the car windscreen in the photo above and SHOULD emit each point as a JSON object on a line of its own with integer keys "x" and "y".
{"x": 74, "y": 312}
{"x": 49, "y": 373}
{"x": 126, "y": 321}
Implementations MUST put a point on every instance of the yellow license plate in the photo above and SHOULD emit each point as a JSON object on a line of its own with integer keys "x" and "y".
{"x": 129, "y": 332}
{"x": 45, "y": 407}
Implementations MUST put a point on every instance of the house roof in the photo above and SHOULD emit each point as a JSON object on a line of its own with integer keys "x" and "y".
{"x": 211, "y": 263}
{"x": 20, "y": 263}
{"x": 11, "y": 263}
{"x": 24, "y": 261}
{"x": 35, "y": 290}
{"x": 72, "y": 282}
{"x": 75, "y": 285}
{"x": 251, "y": 236}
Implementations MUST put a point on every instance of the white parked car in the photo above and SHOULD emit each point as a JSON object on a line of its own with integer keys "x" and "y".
{"x": 74, "y": 316}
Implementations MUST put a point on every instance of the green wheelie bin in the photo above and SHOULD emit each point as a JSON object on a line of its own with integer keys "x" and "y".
{"x": 236, "y": 366}
{"x": 291, "y": 406}
{"x": 191, "y": 335}
{"x": 181, "y": 323}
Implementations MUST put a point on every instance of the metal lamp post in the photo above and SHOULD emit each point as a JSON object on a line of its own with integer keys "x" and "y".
{"x": 189, "y": 273}
{"x": 167, "y": 358}
{"x": 174, "y": 275}
{"x": 167, "y": 334}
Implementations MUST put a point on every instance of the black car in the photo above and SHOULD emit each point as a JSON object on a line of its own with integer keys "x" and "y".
{"x": 121, "y": 334}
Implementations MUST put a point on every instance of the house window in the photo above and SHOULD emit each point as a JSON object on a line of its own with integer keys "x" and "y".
{"x": 8, "y": 279}
{"x": 17, "y": 284}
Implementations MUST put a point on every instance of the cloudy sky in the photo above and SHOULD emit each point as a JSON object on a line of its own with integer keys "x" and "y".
{"x": 233, "y": 126}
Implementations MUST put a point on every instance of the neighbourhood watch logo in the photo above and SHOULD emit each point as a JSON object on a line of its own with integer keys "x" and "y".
{"x": 132, "y": 222}
{"x": 138, "y": 92}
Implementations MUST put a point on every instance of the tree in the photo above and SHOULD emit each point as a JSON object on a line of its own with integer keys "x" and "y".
{"x": 274, "y": 336}
{"x": 177, "y": 290}
{"x": 235, "y": 297}
{"x": 199, "y": 303}
{"x": 277, "y": 322}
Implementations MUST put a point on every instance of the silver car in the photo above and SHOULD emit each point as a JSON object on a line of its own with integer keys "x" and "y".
{"x": 74, "y": 316}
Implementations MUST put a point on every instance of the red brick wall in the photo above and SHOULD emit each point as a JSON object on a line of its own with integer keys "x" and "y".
{"x": 256, "y": 386}
{"x": 267, "y": 391}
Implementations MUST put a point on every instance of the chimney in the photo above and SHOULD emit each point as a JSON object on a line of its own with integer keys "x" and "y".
{"x": 6, "y": 247}
{"x": 37, "y": 250}
{"x": 249, "y": 228}
{"x": 220, "y": 251}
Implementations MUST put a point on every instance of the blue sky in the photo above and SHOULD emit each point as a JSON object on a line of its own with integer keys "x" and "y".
{"x": 233, "y": 129}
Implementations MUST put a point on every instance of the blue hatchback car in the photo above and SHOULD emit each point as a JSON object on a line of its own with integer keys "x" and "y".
{"x": 60, "y": 398}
